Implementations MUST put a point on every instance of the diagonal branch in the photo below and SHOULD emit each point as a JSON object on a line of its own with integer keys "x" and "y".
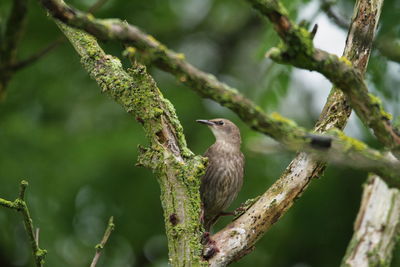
{"x": 36, "y": 56}
{"x": 207, "y": 85}
{"x": 388, "y": 46}
{"x": 100, "y": 246}
{"x": 298, "y": 50}
{"x": 326, "y": 6}
{"x": 274, "y": 203}
{"x": 341, "y": 148}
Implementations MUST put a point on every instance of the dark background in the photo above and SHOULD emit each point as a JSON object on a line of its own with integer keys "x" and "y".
{"x": 77, "y": 148}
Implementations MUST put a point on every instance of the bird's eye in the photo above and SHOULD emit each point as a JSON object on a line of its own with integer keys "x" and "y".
{"x": 219, "y": 122}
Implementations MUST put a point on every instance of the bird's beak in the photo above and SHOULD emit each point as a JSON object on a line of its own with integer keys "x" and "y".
{"x": 210, "y": 123}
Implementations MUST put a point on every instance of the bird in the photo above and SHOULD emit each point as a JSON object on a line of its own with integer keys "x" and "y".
{"x": 223, "y": 178}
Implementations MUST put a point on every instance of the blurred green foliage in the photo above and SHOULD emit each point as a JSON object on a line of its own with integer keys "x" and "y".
{"x": 78, "y": 148}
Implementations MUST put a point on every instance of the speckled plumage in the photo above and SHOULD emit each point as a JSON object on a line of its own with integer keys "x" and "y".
{"x": 224, "y": 174}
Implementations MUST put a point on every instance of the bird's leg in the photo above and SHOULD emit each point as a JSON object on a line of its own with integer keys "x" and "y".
{"x": 226, "y": 213}
{"x": 205, "y": 239}
{"x": 202, "y": 214}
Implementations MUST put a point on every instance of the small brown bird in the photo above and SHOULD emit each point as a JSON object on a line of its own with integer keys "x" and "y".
{"x": 224, "y": 174}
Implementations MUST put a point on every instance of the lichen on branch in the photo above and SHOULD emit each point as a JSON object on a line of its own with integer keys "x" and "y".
{"x": 276, "y": 126}
{"x": 297, "y": 49}
{"x": 177, "y": 169}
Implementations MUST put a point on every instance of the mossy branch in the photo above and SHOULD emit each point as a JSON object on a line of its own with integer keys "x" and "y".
{"x": 99, "y": 247}
{"x": 340, "y": 147}
{"x": 388, "y": 46}
{"x": 177, "y": 169}
{"x": 278, "y": 199}
{"x": 274, "y": 125}
{"x": 19, "y": 205}
{"x": 297, "y": 49}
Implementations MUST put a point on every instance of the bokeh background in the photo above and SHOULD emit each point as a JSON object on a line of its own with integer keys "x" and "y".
{"x": 77, "y": 148}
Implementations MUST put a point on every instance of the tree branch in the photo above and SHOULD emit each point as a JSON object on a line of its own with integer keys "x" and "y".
{"x": 342, "y": 149}
{"x": 13, "y": 34}
{"x": 9, "y": 42}
{"x": 388, "y": 46}
{"x": 326, "y": 6}
{"x": 177, "y": 169}
{"x": 298, "y": 50}
{"x": 38, "y": 55}
{"x": 127, "y": 33}
{"x": 297, "y": 176}
{"x": 20, "y": 205}
{"x": 376, "y": 228}
{"x": 100, "y": 246}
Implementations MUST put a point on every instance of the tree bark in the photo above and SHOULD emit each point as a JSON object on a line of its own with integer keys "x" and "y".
{"x": 177, "y": 169}
{"x": 376, "y": 228}
{"x": 280, "y": 197}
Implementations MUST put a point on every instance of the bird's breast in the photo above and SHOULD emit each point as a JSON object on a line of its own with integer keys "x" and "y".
{"x": 223, "y": 178}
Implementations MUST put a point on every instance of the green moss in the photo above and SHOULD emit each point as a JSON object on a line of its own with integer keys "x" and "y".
{"x": 306, "y": 41}
{"x": 280, "y": 119}
{"x": 378, "y": 102}
{"x": 348, "y": 142}
{"x": 274, "y": 53}
{"x": 346, "y": 61}
{"x": 186, "y": 153}
{"x": 180, "y": 56}
{"x": 137, "y": 92}
{"x": 129, "y": 51}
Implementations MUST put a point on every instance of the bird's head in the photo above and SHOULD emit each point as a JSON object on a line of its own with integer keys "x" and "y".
{"x": 224, "y": 130}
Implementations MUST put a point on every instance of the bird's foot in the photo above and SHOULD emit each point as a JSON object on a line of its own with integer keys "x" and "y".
{"x": 202, "y": 214}
{"x": 210, "y": 247}
{"x": 206, "y": 239}
{"x": 210, "y": 251}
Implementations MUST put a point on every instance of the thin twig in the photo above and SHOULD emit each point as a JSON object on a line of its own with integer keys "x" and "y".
{"x": 326, "y": 6}
{"x": 33, "y": 58}
{"x": 54, "y": 44}
{"x": 99, "y": 247}
{"x": 37, "y": 236}
{"x": 20, "y": 205}
{"x": 22, "y": 188}
{"x": 97, "y": 5}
